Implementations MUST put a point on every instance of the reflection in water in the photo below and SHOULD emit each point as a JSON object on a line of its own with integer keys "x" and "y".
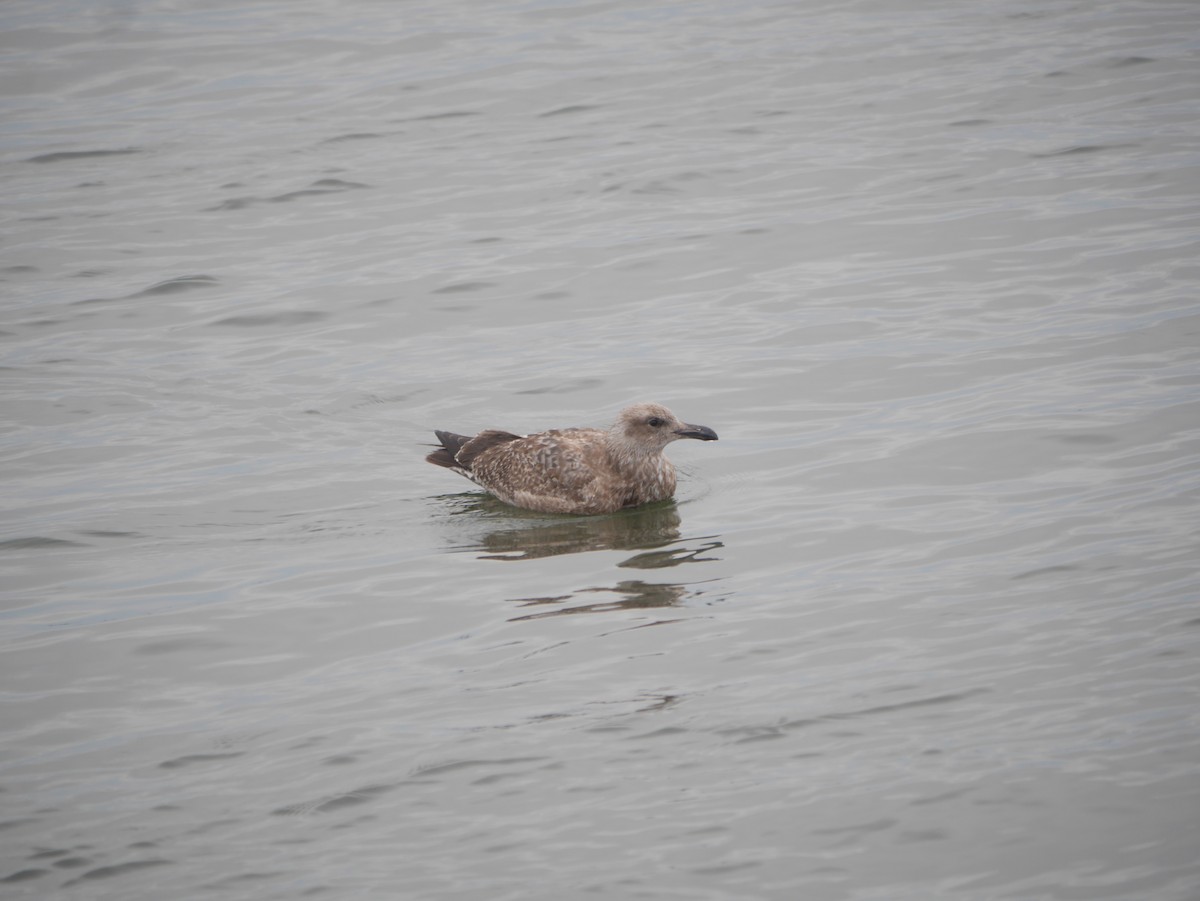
{"x": 520, "y": 535}
{"x": 631, "y": 594}
{"x": 660, "y": 559}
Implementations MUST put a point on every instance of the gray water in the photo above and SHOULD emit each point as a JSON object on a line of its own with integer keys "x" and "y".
{"x": 922, "y": 625}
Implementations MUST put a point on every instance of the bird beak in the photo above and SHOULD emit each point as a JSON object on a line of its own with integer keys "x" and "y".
{"x": 701, "y": 432}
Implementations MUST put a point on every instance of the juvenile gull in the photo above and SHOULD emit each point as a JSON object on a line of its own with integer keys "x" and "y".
{"x": 574, "y": 470}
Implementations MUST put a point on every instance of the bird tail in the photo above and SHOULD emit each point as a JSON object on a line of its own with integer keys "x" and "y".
{"x": 451, "y": 445}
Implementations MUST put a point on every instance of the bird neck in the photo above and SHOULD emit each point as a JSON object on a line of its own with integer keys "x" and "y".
{"x": 635, "y": 459}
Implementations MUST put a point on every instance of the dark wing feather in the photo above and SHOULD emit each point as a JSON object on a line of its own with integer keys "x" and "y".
{"x": 482, "y": 442}
{"x": 451, "y": 445}
{"x": 458, "y": 451}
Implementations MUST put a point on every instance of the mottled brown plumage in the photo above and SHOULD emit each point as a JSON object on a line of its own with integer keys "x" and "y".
{"x": 574, "y": 470}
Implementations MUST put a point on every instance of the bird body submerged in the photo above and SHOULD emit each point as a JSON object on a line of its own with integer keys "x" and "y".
{"x": 574, "y": 470}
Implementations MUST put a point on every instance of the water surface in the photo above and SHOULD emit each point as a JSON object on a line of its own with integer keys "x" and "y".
{"x": 923, "y": 624}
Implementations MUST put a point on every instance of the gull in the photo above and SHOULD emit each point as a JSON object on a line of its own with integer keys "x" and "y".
{"x": 584, "y": 471}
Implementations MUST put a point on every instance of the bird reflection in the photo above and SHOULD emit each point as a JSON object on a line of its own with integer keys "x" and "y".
{"x": 630, "y": 594}
{"x": 653, "y": 531}
{"x": 518, "y": 535}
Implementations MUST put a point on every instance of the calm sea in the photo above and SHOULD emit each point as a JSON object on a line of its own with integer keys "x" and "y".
{"x": 923, "y": 624}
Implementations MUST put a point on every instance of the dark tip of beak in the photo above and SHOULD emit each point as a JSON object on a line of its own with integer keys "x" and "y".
{"x": 701, "y": 432}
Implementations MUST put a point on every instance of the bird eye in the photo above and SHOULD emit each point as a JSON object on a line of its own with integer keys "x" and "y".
{"x": 654, "y": 422}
